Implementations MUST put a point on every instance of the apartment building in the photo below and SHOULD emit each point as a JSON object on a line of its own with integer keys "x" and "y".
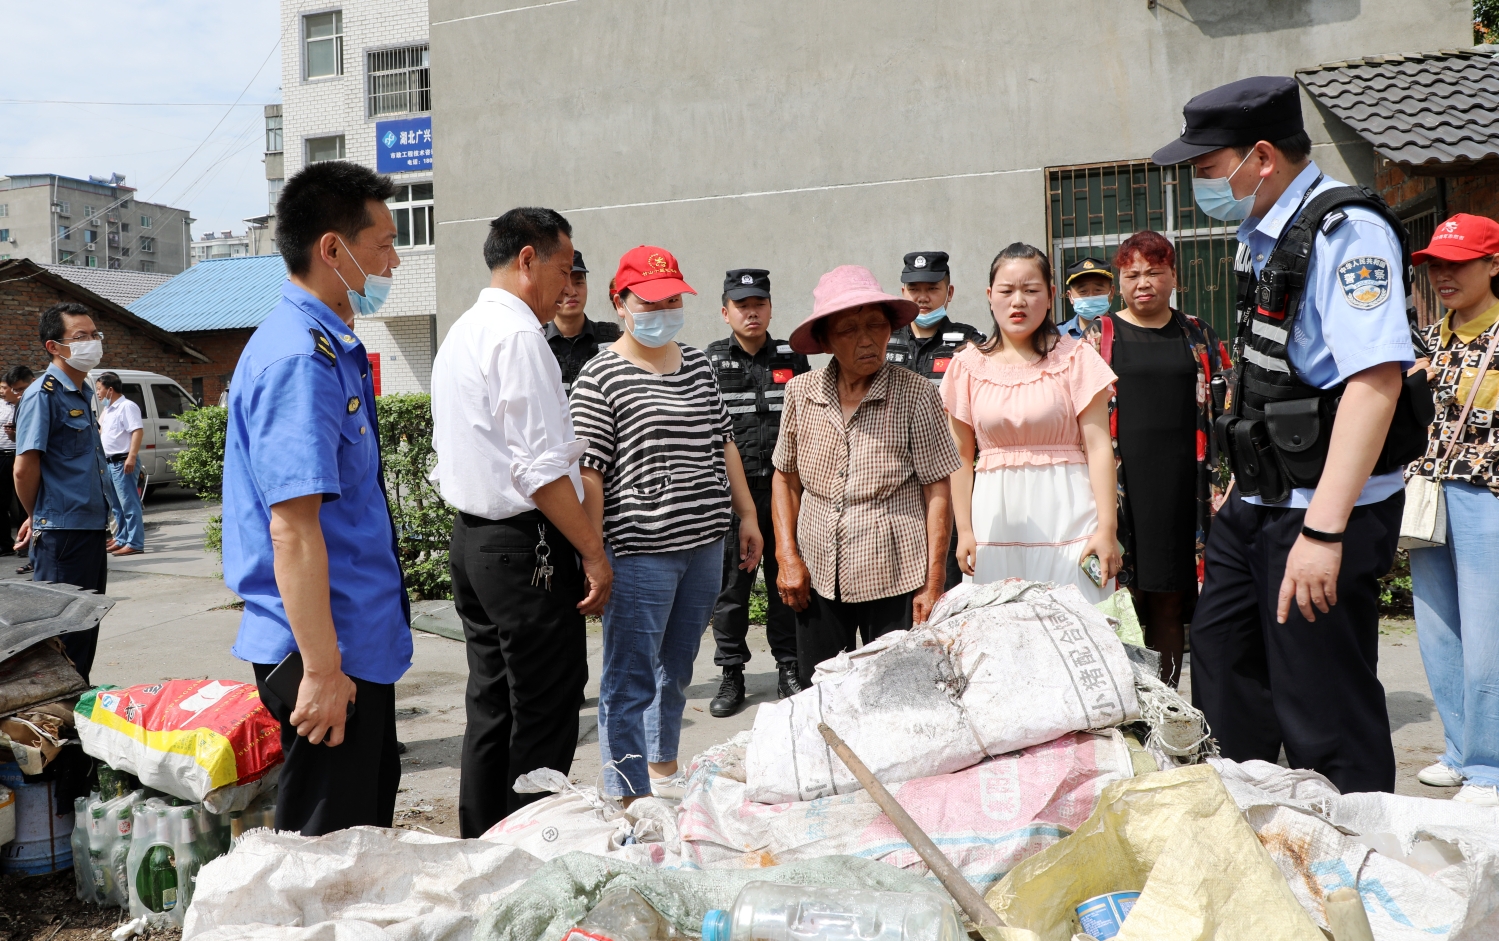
{"x": 355, "y": 86}
{"x": 93, "y": 223}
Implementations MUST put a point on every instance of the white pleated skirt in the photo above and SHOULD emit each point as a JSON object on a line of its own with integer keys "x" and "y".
{"x": 1032, "y": 522}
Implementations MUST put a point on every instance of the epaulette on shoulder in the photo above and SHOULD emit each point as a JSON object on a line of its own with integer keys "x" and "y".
{"x": 49, "y": 384}
{"x": 321, "y": 346}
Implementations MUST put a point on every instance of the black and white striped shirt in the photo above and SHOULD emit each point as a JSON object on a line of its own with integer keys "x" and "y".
{"x": 659, "y": 442}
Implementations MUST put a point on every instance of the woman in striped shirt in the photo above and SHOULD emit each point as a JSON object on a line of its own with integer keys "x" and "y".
{"x": 660, "y": 477}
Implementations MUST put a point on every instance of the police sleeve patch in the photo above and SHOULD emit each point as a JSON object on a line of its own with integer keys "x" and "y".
{"x": 1365, "y": 281}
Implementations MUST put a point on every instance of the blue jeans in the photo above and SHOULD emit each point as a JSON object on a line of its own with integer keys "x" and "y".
{"x": 1457, "y": 604}
{"x": 125, "y": 502}
{"x": 653, "y": 623}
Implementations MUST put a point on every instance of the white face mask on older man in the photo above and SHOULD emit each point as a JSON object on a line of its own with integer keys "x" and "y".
{"x": 86, "y": 354}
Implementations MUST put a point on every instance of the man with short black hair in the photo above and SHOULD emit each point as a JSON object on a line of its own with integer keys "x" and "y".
{"x": 573, "y": 337}
{"x": 527, "y": 562}
{"x": 12, "y": 384}
{"x": 121, "y": 430}
{"x": 308, "y": 539}
{"x": 59, "y": 472}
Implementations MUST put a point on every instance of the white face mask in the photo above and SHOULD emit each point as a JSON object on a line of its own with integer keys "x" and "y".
{"x": 86, "y": 354}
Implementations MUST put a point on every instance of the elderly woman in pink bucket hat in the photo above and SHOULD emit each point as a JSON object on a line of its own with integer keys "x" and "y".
{"x": 860, "y": 495}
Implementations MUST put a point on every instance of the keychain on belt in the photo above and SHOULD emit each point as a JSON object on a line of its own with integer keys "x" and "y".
{"x": 543, "y": 571}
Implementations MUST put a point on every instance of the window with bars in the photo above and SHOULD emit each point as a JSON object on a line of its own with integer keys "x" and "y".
{"x": 323, "y": 44}
{"x": 1092, "y": 209}
{"x": 399, "y": 81}
{"x": 412, "y": 208}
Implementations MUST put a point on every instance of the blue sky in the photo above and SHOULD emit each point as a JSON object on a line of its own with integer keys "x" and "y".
{"x": 178, "y": 51}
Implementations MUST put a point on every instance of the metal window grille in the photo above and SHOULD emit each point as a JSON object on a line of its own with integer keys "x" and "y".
{"x": 1091, "y": 209}
{"x": 399, "y": 81}
{"x": 1419, "y": 229}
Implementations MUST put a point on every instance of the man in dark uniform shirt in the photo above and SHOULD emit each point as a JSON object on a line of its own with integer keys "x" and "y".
{"x": 574, "y": 338}
{"x": 752, "y": 370}
{"x": 928, "y": 344}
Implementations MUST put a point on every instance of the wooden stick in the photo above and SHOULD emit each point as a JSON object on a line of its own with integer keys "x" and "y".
{"x": 973, "y": 904}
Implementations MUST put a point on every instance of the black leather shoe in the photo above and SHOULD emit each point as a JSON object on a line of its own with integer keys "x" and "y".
{"x": 790, "y": 682}
{"x": 730, "y": 698}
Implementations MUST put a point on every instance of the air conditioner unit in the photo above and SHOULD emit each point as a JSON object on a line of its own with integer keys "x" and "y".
{"x": 88, "y": 246}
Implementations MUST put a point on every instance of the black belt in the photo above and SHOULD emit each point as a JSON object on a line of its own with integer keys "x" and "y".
{"x": 116, "y": 458}
{"x": 519, "y": 519}
{"x": 759, "y": 483}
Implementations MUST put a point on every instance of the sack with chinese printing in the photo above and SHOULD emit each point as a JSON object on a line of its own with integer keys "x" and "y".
{"x": 999, "y": 667}
{"x": 185, "y": 738}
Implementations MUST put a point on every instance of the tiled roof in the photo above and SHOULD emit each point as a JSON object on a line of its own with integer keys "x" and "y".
{"x": 221, "y": 294}
{"x": 122, "y": 287}
{"x": 1432, "y": 110}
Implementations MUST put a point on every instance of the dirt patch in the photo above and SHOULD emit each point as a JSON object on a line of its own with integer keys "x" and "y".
{"x": 44, "y": 908}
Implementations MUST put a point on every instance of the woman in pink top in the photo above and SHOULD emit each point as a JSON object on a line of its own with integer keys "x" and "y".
{"x": 1032, "y": 407}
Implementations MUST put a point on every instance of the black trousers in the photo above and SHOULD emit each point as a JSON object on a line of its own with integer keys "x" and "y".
{"x": 73, "y": 557}
{"x": 325, "y": 788}
{"x": 731, "y": 611}
{"x": 954, "y": 576}
{"x": 527, "y": 660}
{"x": 1310, "y": 686}
{"x": 827, "y": 627}
{"x": 8, "y": 504}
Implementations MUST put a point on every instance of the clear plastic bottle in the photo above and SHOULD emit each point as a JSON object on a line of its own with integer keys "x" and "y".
{"x": 83, "y": 870}
{"x": 625, "y": 915}
{"x": 156, "y": 877}
{"x": 99, "y": 843}
{"x": 765, "y": 911}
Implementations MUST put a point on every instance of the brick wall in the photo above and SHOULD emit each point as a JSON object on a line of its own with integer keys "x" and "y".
{"x": 1477, "y": 195}
{"x": 21, "y": 304}
{"x": 221, "y": 346}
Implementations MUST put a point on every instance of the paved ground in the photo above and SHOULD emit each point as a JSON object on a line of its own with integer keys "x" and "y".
{"x": 174, "y": 618}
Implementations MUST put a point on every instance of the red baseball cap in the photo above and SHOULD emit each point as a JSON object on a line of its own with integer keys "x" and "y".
{"x": 650, "y": 273}
{"x": 1461, "y": 238}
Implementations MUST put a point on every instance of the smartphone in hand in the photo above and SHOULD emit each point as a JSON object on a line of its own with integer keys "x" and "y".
{"x": 1092, "y": 568}
{"x": 286, "y": 681}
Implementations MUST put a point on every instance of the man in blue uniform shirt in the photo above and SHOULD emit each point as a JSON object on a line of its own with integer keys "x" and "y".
{"x": 60, "y": 472}
{"x": 308, "y": 540}
{"x": 1285, "y": 640}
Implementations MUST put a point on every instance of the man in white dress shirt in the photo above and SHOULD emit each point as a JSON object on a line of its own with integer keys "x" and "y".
{"x": 120, "y": 431}
{"x": 527, "y": 563}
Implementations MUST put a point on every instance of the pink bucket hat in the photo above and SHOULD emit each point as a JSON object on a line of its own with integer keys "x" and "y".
{"x": 843, "y": 288}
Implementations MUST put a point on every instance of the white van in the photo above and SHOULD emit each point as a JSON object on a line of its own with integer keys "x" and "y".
{"x": 162, "y": 403}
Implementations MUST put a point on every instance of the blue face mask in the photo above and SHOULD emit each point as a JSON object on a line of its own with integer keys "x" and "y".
{"x": 655, "y": 328}
{"x": 376, "y": 288}
{"x": 932, "y": 318}
{"x": 1090, "y": 307}
{"x": 1216, "y": 197}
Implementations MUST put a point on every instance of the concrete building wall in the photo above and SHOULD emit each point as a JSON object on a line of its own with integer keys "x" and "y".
{"x": 34, "y": 226}
{"x": 799, "y": 136}
{"x": 322, "y": 107}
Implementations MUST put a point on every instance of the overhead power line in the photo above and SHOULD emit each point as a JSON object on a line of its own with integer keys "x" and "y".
{"x": 133, "y": 104}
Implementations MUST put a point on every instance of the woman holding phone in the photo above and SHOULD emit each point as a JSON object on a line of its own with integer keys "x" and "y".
{"x": 1034, "y": 497}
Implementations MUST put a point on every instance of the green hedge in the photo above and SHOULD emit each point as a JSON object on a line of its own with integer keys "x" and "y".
{"x": 423, "y": 521}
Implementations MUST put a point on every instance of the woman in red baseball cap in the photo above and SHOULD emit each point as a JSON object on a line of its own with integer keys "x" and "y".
{"x": 660, "y": 477}
{"x": 1453, "y": 582}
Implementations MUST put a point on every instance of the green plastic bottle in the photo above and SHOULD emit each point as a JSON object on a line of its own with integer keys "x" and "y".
{"x": 156, "y": 880}
{"x": 188, "y": 859}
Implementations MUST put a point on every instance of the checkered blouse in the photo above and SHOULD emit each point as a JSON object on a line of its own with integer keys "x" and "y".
{"x": 862, "y": 529}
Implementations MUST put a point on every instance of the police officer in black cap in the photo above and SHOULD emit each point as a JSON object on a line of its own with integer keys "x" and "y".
{"x": 753, "y": 369}
{"x": 928, "y": 344}
{"x": 1285, "y": 639}
{"x": 574, "y": 338}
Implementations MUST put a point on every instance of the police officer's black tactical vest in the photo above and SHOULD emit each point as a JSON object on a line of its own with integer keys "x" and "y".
{"x": 1277, "y": 428}
{"x": 931, "y": 355}
{"x": 753, "y": 389}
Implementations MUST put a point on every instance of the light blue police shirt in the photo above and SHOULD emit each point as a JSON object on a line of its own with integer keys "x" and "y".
{"x": 301, "y": 422}
{"x": 56, "y": 418}
{"x": 1348, "y": 320}
{"x": 1075, "y": 327}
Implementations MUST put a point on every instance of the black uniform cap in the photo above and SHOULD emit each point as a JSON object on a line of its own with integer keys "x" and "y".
{"x": 746, "y": 282}
{"x": 1239, "y": 114}
{"x": 1089, "y": 266}
{"x": 924, "y": 266}
{"x": 578, "y": 262}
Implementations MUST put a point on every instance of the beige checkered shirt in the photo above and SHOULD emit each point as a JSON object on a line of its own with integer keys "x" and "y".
{"x": 862, "y": 529}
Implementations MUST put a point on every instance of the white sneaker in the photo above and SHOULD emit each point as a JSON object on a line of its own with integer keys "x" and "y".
{"x": 1478, "y": 794}
{"x": 672, "y": 788}
{"x": 1439, "y": 775}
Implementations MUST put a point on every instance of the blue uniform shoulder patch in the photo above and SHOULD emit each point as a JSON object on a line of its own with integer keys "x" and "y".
{"x": 1365, "y": 281}
{"x": 321, "y": 346}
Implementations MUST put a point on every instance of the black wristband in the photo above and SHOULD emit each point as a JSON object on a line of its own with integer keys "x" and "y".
{"x": 1319, "y": 535}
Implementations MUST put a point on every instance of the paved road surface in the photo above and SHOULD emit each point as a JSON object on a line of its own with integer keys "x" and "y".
{"x": 174, "y": 618}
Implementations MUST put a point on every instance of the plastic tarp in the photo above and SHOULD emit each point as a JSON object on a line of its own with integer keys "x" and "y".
{"x": 1178, "y": 839}
{"x": 1425, "y": 868}
{"x": 1000, "y": 667}
{"x": 986, "y": 818}
{"x": 352, "y": 885}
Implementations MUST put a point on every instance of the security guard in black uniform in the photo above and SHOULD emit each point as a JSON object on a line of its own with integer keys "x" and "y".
{"x": 1320, "y": 421}
{"x": 927, "y": 346}
{"x": 752, "y": 369}
{"x": 574, "y": 338}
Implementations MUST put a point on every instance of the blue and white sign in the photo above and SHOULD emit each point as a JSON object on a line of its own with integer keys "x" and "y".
{"x": 403, "y": 146}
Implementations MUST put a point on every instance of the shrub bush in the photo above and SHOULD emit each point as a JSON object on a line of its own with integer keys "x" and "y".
{"x": 200, "y": 464}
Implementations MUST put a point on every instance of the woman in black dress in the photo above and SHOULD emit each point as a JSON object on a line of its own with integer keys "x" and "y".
{"x": 1161, "y": 419}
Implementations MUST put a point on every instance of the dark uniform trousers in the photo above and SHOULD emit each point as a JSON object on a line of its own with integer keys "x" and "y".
{"x": 829, "y": 626}
{"x": 527, "y": 660}
{"x": 731, "y": 611}
{"x": 1310, "y": 686}
{"x": 73, "y": 557}
{"x": 9, "y": 517}
{"x": 324, "y": 787}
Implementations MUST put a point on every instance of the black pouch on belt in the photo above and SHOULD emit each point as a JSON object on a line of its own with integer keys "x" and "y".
{"x": 1300, "y": 431}
{"x": 1253, "y": 459}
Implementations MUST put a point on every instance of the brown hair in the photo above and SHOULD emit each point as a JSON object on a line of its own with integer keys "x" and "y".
{"x": 1046, "y": 334}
